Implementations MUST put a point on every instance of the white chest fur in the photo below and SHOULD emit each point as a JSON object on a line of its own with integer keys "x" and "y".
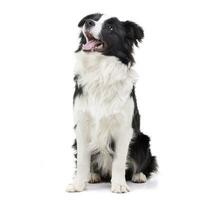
{"x": 106, "y": 102}
{"x": 106, "y": 82}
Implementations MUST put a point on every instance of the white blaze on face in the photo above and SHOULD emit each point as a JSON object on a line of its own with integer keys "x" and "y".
{"x": 96, "y": 30}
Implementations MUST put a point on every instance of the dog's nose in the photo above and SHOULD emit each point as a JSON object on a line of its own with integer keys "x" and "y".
{"x": 89, "y": 23}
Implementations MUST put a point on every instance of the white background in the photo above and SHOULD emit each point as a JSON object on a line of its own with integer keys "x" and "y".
{"x": 37, "y": 41}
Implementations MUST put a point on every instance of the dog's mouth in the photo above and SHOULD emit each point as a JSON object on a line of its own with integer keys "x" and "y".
{"x": 92, "y": 44}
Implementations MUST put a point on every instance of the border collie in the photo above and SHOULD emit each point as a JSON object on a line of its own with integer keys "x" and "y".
{"x": 109, "y": 144}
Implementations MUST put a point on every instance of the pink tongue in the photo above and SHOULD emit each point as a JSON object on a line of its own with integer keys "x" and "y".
{"x": 89, "y": 45}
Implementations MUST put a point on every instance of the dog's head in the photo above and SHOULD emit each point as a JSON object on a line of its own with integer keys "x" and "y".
{"x": 109, "y": 36}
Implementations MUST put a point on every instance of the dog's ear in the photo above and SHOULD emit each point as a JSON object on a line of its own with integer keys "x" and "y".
{"x": 95, "y": 16}
{"x": 134, "y": 33}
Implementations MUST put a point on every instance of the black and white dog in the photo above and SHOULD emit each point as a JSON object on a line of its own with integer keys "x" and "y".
{"x": 109, "y": 143}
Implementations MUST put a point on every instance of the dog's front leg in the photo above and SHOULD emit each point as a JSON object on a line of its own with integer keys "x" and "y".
{"x": 122, "y": 140}
{"x": 83, "y": 158}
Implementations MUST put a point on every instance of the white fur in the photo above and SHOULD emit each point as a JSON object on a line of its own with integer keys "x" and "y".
{"x": 104, "y": 110}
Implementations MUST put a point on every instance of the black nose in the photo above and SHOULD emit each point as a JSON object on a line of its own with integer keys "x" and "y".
{"x": 89, "y": 23}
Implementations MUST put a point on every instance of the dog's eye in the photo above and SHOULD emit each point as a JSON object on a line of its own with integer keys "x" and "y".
{"x": 109, "y": 27}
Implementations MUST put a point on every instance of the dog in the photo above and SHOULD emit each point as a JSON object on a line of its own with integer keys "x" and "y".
{"x": 109, "y": 144}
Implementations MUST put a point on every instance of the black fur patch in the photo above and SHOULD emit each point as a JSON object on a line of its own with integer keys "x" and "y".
{"x": 78, "y": 88}
{"x": 136, "y": 114}
{"x": 120, "y": 40}
{"x": 139, "y": 151}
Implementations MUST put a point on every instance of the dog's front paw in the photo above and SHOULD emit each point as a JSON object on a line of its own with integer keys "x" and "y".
{"x": 119, "y": 187}
{"x": 76, "y": 187}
